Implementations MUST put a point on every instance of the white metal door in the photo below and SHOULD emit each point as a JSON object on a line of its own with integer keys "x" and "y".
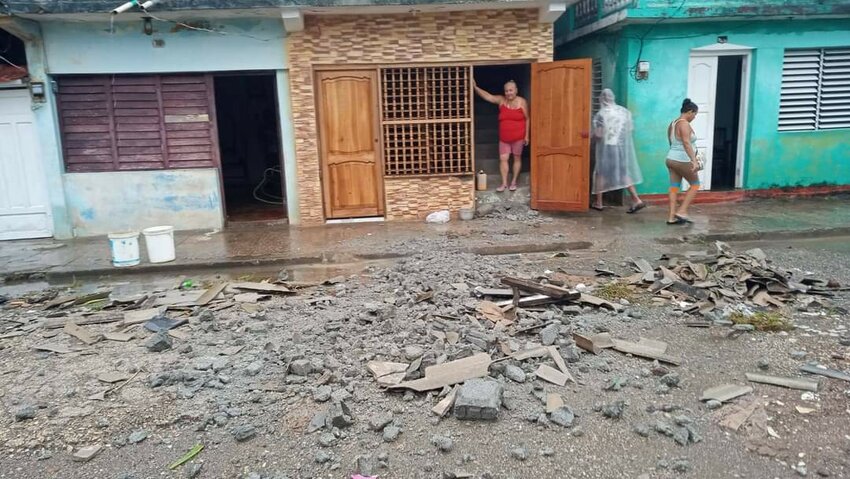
{"x": 24, "y": 208}
{"x": 702, "y": 88}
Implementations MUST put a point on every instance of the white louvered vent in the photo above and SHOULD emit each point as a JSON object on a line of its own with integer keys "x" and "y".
{"x": 815, "y": 90}
{"x": 596, "y": 83}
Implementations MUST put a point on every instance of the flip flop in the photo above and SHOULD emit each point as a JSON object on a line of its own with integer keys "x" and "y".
{"x": 636, "y": 208}
{"x": 501, "y": 189}
{"x": 684, "y": 219}
{"x": 597, "y": 208}
{"x": 512, "y": 188}
{"x": 677, "y": 221}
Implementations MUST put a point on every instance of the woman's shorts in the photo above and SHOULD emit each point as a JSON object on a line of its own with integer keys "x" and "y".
{"x": 514, "y": 147}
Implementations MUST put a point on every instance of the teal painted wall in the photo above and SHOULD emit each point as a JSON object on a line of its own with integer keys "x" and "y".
{"x": 86, "y": 48}
{"x": 773, "y": 158}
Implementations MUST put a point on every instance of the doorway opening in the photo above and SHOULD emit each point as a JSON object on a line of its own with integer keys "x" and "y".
{"x": 724, "y": 158}
{"x": 13, "y": 66}
{"x": 492, "y": 78}
{"x": 249, "y": 142}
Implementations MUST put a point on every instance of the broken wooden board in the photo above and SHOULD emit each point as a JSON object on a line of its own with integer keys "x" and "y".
{"x": 210, "y": 294}
{"x": 537, "y": 352}
{"x": 603, "y": 340}
{"x": 491, "y": 311}
{"x": 738, "y": 414}
{"x": 178, "y": 298}
{"x": 552, "y": 291}
{"x": 792, "y": 383}
{"x": 559, "y": 361}
{"x": 112, "y": 377}
{"x": 263, "y": 288}
{"x": 387, "y": 373}
{"x": 725, "y": 392}
{"x": 635, "y": 349}
{"x": 586, "y": 343}
{"x": 76, "y": 331}
{"x": 830, "y": 373}
{"x": 53, "y": 348}
{"x": 120, "y": 337}
{"x": 140, "y": 316}
{"x": 659, "y": 346}
{"x": 450, "y": 373}
{"x": 552, "y": 375}
{"x": 553, "y": 402}
{"x": 57, "y": 323}
{"x": 599, "y": 302}
{"x": 251, "y": 297}
{"x": 530, "y": 301}
{"x": 445, "y": 404}
{"x": 497, "y": 292}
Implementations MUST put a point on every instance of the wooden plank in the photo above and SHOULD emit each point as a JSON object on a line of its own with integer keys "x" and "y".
{"x": 725, "y": 392}
{"x": 76, "y": 331}
{"x": 210, "y": 294}
{"x": 599, "y": 302}
{"x": 552, "y": 375}
{"x": 446, "y": 403}
{"x": 188, "y": 118}
{"x": 559, "y": 361}
{"x": 546, "y": 289}
{"x": 586, "y": 343}
{"x": 792, "y": 383}
{"x": 263, "y": 287}
{"x": 450, "y": 373}
{"x": 57, "y": 323}
{"x": 636, "y": 349}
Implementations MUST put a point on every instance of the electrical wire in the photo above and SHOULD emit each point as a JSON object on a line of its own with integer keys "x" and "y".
{"x": 13, "y": 65}
{"x": 202, "y": 29}
{"x": 274, "y": 199}
{"x": 634, "y": 69}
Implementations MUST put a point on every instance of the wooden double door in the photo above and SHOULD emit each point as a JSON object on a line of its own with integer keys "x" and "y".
{"x": 350, "y": 140}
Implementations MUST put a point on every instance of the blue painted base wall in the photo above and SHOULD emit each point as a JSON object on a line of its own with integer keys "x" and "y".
{"x": 104, "y": 202}
{"x": 773, "y": 159}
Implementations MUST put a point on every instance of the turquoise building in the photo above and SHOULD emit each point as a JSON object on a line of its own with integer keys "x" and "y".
{"x": 772, "y": 79}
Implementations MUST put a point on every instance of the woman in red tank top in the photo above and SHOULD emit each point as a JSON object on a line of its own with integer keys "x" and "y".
{"x": 513, "y": 129}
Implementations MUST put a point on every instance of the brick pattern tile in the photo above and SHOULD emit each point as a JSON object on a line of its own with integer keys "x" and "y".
{"x": 452, "y": 37}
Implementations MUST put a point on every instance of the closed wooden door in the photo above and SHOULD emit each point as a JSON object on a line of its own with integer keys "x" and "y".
{"x": 560, "y": 135}
{"x": 348, "y": 132}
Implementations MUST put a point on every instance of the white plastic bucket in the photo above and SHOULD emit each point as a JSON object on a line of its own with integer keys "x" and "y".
{"x": 159, "y": 241}
{"x": 124, "y": 248}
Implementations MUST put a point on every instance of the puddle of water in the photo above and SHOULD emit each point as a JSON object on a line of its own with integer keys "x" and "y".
{"x": 838, "y": 244}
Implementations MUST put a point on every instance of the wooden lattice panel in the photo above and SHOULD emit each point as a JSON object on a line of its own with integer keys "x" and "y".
{"x": 426, "y": 118}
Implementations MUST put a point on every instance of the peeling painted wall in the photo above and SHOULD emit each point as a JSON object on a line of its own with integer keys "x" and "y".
{"x": 773, "y": 159}
{"x": 103, "y": 202}
{"x": 87, "y": 48}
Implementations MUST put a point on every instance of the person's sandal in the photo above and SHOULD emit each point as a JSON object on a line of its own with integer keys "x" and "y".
{"x": 513, "y": 187}
{"x": 501, "y": 189}
{"x": 634, "y": 209}
{"x": 677, "y": 221}
{"x": 597, "y": 208}
{"x": 684, "y": 219}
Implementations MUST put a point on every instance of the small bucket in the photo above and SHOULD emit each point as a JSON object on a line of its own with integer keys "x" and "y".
{"x": 124, "y": 248}
{"x": 159, "y": 241}
{"x": 466, "y": 214}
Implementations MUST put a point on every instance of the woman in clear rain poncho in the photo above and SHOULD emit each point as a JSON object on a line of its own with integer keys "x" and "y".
{"x": 616, "y": 162}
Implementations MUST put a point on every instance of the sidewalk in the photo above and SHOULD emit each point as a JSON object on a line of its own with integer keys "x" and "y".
{"x": 259, "y": 244}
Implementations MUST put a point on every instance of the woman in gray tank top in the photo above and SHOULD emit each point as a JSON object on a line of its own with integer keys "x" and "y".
{"x": 682, "y": 162}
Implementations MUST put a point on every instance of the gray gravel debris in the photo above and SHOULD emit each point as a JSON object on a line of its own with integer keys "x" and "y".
{"x": 159, "y": 342}
{"x": 443, "y": 443}
{"x": 244, "y": 432}
{"x": 514, "y": 373}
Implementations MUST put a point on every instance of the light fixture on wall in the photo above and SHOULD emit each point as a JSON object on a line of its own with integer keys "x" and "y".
{"x": 722, "y": 39}
{"x": 642, "y": 70}
{"x": 147, "y": 25}
{"x": 37, "y": 91}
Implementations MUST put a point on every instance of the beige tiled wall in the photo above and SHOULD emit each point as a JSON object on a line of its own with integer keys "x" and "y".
{"x": 452, "y": 37}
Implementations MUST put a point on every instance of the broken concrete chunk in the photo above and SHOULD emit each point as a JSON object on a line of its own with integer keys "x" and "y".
{"x": 478, "y": 399}
{"x": 562, "y": 416}
{"x": 339, "y": 416}
{"x": 725, "y": 392}
{"x": 387, "y": 373}
{"x": 85, "y": 454}
{"x": 244, "y": 432}
{"x": 379, "y": 422}
{"x": 301, "y": 367}
{"x": 24, "y": 412}
{"x": 158, "y": 342}
{"x": 443, "y": 443}
{"x": 514, "y": 373}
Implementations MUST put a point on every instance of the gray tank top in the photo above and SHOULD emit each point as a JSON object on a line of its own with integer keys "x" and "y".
{"x": 677, "y": 147}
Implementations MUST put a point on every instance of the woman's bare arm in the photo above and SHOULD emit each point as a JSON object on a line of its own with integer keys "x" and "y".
{"x": 494, "y": 99}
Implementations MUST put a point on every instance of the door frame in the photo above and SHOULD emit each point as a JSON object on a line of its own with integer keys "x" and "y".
{"x": 727, "y": 50}
{"x": 376, "y": 120}
{"x": 41, "y": 177}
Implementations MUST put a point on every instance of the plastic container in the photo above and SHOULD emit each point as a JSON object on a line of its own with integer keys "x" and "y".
{"x": 482, "y": 181}
{"x": 124, "y": 248}
{"x": 466, "y": 214}
{"x": 159, "y": 241}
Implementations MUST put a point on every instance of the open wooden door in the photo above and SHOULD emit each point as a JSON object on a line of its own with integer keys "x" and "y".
{"x": 560, "y": 135}
{"x": 348, "y": 132}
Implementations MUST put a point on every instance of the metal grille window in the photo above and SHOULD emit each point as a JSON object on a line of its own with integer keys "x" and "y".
{"x": 815, "y": 90}
{"x": 426, "y": 120}
{"x": 596, "y": 84}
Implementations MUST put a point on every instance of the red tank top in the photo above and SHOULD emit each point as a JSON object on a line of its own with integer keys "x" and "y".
{"x": 511, "y": 124}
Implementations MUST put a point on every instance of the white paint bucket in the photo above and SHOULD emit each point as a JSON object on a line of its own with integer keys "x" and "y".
{"x": 124, "y": 248}
{"x": 159, "y": 241}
